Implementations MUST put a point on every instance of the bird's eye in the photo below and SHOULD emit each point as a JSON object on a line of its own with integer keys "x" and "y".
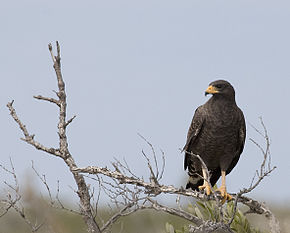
{"x": 218, "y": 86}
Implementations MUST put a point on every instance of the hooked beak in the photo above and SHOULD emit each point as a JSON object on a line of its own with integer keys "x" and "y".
{"x": 211, "y": 90}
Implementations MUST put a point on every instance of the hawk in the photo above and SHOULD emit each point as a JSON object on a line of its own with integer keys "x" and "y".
{"x": 217, "y": 134}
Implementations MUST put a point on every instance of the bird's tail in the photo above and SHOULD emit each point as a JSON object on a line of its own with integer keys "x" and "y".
{"x": 194, "y": 181}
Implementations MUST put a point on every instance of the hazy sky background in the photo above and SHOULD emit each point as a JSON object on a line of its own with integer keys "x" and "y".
{"x": 142, "y": 67}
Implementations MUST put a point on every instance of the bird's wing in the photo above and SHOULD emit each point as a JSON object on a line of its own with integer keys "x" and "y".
{"x": 193, "y": 131}
{"x": 241, "y": 142}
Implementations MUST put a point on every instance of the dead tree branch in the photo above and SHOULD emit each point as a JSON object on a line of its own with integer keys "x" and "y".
{"x": 211, "y": 227}
{"x": 54, "y": 202}
{"x": 29, "y": 138}
{"x": 151, "y": 188}
{"x": 173, "y": 211}
{"x": 52, "y": 100}
{"x": 13, "y": 200}
{"x": 62, "y": 151}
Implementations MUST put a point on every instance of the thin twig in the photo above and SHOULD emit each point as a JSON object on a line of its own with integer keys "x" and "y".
{"x": 49, "y": 99}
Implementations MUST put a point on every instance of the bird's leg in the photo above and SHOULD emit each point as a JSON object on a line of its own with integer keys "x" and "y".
{"x": 223, "y": 189}
{"x": 205, "y": 185}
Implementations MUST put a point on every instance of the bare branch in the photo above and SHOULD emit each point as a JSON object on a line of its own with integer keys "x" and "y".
{"x": 30, "y": 138}
{"x": 12, "y": 201}
{"x": 83, "y": 190}
{"x": 63, "y": 151}
{"x": 43, "y": 180}
{"x": 70, "y": 120}
{"x": 116, "y": 216}
{"x": 208, "y": 226}
{"x": 149, "y": 186}
{"x": 154, "y": 157}
{"x": 163, "y": 165}
{"x": 177, "y": 212}
{"x": 124, "y": 167}
{"x": 51, "y": 100}
{"x": 153, "y": 177}
{"x": 34, "y": 227}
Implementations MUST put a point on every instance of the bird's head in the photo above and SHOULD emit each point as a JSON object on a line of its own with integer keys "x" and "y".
{"x": 221, "y": 88}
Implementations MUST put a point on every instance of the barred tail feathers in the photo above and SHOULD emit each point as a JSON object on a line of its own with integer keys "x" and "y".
{"x": 194, "y": 182}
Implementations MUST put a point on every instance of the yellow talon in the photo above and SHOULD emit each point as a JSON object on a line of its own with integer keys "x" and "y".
{"x": 223, "y": 189}
{"x": 206, "y": 187}
{"x": 224, "y": 194}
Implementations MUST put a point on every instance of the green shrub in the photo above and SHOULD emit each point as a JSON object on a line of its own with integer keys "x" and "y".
{"x": 209, "y": 211}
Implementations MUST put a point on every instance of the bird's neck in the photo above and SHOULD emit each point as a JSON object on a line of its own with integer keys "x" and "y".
{"x": 224, "y": 101}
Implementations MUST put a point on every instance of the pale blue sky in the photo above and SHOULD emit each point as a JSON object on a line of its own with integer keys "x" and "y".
{"x": 142, "y": 67}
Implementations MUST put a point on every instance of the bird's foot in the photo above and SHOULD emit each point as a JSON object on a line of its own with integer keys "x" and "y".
{"x": 224, "y": 194}
{"x": 205, "y": 187}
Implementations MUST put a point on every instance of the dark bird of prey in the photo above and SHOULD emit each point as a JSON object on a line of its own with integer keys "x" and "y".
{"x": 217, "y": 134}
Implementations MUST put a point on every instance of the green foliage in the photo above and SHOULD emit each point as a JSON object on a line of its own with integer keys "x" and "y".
{"x": 240, "y": 222}
{"x": 209, "y": 211}
{"x": 170, "y": 229}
